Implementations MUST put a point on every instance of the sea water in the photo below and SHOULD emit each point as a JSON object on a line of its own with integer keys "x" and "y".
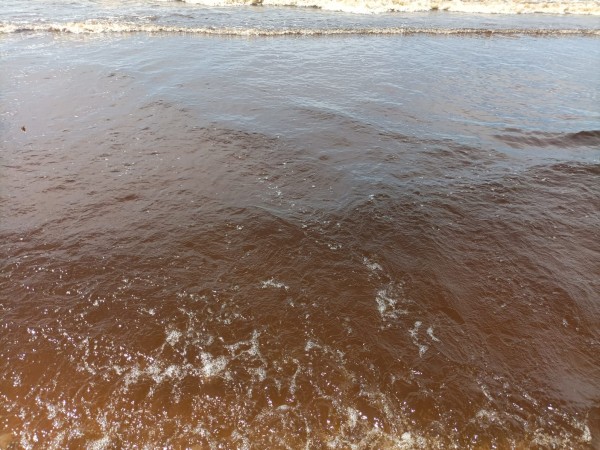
{"x": 234, "y": 226}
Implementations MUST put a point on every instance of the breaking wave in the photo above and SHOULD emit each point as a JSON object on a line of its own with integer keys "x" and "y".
{"x": 108, "y": 26}
{"x": 468, "y": 6}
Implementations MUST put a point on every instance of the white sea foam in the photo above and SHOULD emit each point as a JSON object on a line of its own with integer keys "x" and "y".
{"x": 310, "y": 345}
{"x": 485, "y": 391}
{"x": 387, "y": 303}
{"x": 384, "y": 302}
{"x": 241, "y": 347}
{"x": 415, "y": 338}
{"x": 99, "y": 444}
{"x": 108, "y": 27}
{"x": 431, "y": 335}
{"x": 173, "y": 337}
{"x": 213, "y": 366}
{"x": 587, "y": 435}
{"x": 487, "y": 415}
{"x": 159, "y": 372}
{"x": 466, "y": 6}
{"x": 272, "y": 283}
{"x": 260, "y": 373}
{"x": 407, "y": 439}
{"x": 371, "y": 265}
{"x": 352, "y": 417}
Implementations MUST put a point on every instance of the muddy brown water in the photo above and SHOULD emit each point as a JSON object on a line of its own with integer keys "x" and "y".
{"x": 172, "y": 276}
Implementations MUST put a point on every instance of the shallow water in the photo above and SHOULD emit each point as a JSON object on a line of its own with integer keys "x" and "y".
{"x": 301, "y": 242}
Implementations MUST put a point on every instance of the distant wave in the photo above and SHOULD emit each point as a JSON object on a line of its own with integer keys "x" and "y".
{"x": 521, "y": 139}
{"x": 108, "y": 26}
{"x": 466, "y": 6}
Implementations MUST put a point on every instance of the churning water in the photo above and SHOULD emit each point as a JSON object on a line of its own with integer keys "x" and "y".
{"x": 347, "y": 239}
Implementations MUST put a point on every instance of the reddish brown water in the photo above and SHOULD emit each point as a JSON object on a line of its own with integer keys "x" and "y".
{"x": 169, "y": 279}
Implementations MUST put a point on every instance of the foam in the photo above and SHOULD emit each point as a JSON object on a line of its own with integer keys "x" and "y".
{"x": 387, "y": 304}
{"x": 384, "y": 301}
{"x": 415, "y": 338}
{"x": 239, "y": 437}
{"x": 254, "y": 350}
{"x": 371, "y": 265}
{"x": 272, "y": 283}
{"x": 111, "y": 27}
{"x": 382, "y": 6}
{"x": 173, "y": 337}
{"x": 310, "y": 345}
{"x": 587, "y": 434}
{"x": 213, "y": 366}
{"x": 260, "y": 373}
{"x": 156, "y": 371}
{"x": 352, "y": 417}
{"x": 99, "y": 444}
{"x": 406, "y": 439}
{"x": 431, "y": 335}
{"x": 487, "y": 415}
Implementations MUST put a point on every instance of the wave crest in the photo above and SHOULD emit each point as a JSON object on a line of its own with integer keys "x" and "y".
{"x": 465, "y": 6}
{"x": 520, "y": 139}
{"x": 107, "y": 27}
